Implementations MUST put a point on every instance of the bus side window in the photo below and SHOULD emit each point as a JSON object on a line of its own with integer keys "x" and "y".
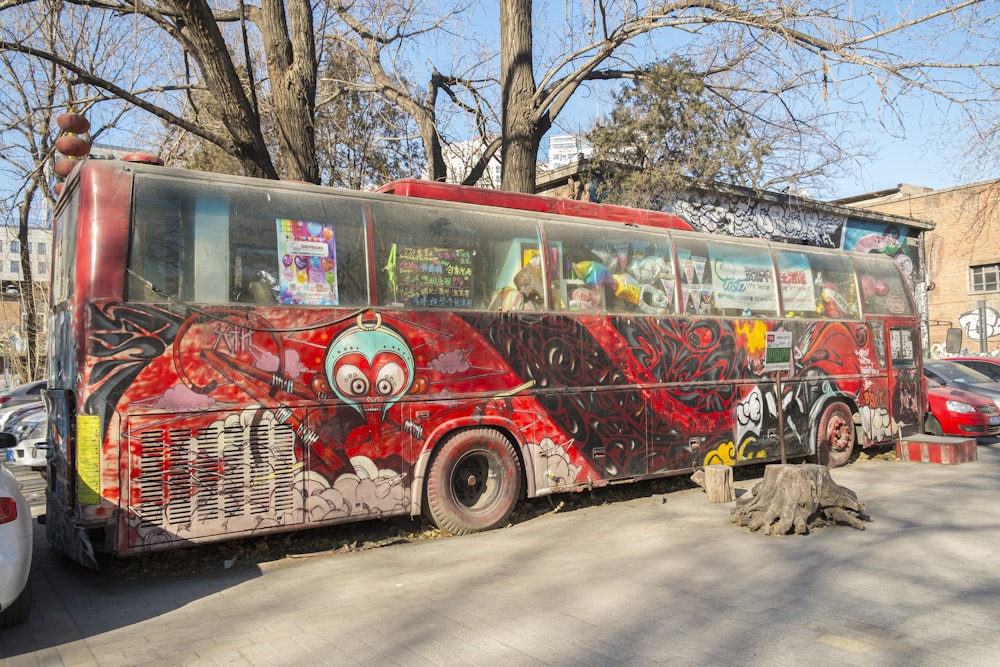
{"x": 582, "y": 276}
{"x": 162, "y": 216}
{"x": 460, "y": 260}
{"x": 882, "y": 286}
{"x": 295, "y": 248}
{"x": 610, "y": 270}
{"x": 797, "y": 284}
{"x": 833, "y": 278}
{"x": 696, "y": 288}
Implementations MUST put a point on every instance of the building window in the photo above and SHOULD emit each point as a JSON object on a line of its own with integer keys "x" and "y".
{"x": 43, "y": 267}
{"x": 41, "y": 247}
{"x": 985, "y": 278}
{"x": 15, "y": 266}
{"x": 15, "y": 246}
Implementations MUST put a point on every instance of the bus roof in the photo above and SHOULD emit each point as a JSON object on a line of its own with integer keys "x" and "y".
{"x": 413, "y": 187}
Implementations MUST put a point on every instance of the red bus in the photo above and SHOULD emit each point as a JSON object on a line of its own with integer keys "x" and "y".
{"x": 231, "y": 357}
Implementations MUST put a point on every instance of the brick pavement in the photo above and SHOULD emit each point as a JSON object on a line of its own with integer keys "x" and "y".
{"x": 658, "y": 580}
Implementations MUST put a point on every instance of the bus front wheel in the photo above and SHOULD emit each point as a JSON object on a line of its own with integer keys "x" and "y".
{"x": 474, "y": 482}
{"x": 835, "y": 435}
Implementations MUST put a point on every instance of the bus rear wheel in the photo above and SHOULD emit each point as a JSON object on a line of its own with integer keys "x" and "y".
{"x": 474, "y": 482}
{"x": 835, "y": 435}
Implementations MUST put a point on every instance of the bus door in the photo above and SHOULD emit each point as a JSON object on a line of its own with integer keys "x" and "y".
{"x": 903, "y": 352}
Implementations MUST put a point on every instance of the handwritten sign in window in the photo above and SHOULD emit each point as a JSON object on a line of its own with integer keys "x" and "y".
{"x": 434, "y": 277}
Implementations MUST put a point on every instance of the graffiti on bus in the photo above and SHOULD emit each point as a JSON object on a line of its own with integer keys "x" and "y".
{"x": 328, "y": 419}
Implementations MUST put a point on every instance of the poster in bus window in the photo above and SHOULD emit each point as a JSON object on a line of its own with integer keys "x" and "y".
{"x": 696, "y": 286}
{"x": 434, "y": 277}
{"x": 743, "y": 279}
{"x": 308, "y": 253}
{"x": 797, "y": 284}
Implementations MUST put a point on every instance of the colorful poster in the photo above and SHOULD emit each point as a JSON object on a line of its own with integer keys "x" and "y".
{"x": 798, "y": 289}
{"x": 308, "y": 252}
{"x": 743, "y": 279}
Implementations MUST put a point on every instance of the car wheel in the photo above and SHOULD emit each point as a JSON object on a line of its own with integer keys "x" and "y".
{"x": 933, "y": 426}
{"x": 474, "y": 482}
{"x": 18, "y": 611}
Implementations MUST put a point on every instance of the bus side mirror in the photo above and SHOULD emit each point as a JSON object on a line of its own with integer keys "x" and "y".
{"x": 953, "y": 341}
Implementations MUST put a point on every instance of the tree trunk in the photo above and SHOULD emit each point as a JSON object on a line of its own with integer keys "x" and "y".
{"x": 203, "y": 41}
{"x": 290, "y": 49}
{"x": 29, "y": 310}
{"x": 798, "y": 498}
{"x": 517, "y": 81}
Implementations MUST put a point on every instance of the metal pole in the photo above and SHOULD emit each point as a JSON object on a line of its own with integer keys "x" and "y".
{"x": 984, "y": 346}
{"x": 781, "y": 416}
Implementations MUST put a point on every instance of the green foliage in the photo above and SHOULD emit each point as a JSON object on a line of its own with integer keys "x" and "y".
{"x": 666, "y": 128}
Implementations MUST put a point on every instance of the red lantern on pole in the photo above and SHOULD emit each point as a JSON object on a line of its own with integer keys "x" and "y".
{"x": 72, "y": 145}
{"x": 64, "y": 166}
{"x": 73, "y": 123}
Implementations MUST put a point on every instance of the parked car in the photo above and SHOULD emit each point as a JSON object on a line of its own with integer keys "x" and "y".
{"x": 954, "y": 374}
{"x": 32, "y": 391}
{"x": 30, "y": 431}
{"x": 959, "y": 412}
{"x": 15, "y": 546}
{"x": 989, "y": 366}
{"x": 9, "y": 416}
{"x": 16, "y": 399}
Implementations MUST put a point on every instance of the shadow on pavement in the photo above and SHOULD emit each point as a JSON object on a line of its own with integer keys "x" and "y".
{"x": 71, "y": 603}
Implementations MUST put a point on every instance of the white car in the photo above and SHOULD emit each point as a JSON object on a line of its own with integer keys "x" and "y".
{"x": 30, "y": 432}
{"x": 15, "y": 546}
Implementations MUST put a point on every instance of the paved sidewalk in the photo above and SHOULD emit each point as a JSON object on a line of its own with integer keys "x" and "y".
{"x": 658, "y": 580}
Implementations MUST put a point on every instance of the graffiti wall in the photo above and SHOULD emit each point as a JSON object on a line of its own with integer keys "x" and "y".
{"x": 723, "y": 214}
{"x": 979, "y": 324}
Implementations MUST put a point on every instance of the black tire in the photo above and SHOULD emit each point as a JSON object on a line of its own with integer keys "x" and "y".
{"x": 933, "y": 426}
{"x": 19, "y": 610}
{"x": 835, "y": 435}
{"x": 474, "y": 481}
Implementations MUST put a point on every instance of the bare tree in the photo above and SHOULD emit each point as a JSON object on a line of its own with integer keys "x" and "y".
{"x": 189, "y": 32}
{"x": 790, "y": 63}
{"x": 30, "y": 98}
{"x": 784, "y": 62}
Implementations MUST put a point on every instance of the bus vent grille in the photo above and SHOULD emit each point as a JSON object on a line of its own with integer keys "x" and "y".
{"x": 224, "y": 478}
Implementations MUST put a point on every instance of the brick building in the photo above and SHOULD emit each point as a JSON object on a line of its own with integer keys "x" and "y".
{"x": 962, "y": 256}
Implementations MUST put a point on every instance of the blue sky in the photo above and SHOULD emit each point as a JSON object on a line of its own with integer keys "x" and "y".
{"x": 915, "y": 149}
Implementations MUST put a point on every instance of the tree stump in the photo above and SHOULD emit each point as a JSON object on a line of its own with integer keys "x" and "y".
{"x": 717, "y": 480}
{"x": 798, "y": 498}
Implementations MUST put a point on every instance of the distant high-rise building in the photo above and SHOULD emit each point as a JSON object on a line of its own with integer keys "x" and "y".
{"x": 459, "y": 159}
{"x": 565, "y": 149}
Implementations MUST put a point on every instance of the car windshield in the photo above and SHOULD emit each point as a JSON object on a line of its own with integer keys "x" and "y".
{"x": 958, "y": 373}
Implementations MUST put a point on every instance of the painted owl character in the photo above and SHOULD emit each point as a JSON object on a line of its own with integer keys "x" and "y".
{"x": 370, "y": 366}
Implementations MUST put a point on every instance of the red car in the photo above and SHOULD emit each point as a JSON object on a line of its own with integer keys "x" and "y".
{"x": 959, "y": 412}
{"x": 989, "y": 366}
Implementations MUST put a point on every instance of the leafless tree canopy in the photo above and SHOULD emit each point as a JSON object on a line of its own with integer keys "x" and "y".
{"x": 254, "y": 78}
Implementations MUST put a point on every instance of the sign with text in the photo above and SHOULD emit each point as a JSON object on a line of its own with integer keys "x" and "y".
{"x": 434, "y": 277}
{"x": 778, "y": 351}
